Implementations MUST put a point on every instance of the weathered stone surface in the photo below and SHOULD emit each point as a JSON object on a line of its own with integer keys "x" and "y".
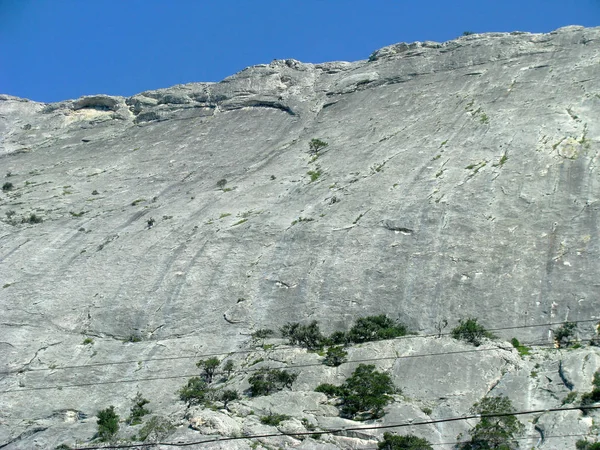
{"x": 460, "y": 180}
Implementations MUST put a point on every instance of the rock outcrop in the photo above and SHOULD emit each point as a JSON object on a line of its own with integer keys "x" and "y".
{"x": 460, "y": 180}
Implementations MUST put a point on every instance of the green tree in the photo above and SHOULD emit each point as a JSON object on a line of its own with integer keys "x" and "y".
{"x": 375, "y": 328}
{"x": 308, "y": 336}
{"x": 497, "y": 429}
{"x": 209, "y": 366}
{"x": 409, "y": 442}
{"x": 228, "y": 395}
{"x": 315, "y": 145}
{"x": 364, "y": 394}
{"x": 108, "y": 424}
{"x": 469, "y": 330}
{"x": 194, "y": 392}
{"x": 335, "y": 356}
{"x": 585, "y": 445}
{"x": 138, "y": 410}
{"x": 266, "y": 381}
{"x": 564, "y": 335}
{"x": 228, "y": 368}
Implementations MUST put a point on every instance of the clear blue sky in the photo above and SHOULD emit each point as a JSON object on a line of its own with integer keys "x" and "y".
{"x": 53, "y": 50}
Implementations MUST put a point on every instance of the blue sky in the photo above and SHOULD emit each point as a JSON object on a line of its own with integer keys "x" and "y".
{"x": 54, "y": 50}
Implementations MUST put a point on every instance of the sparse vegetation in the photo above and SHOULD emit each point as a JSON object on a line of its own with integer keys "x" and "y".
{"x": 155, "y": 429}
{"x": 586, "y": 445}
{"x": 314, "y": 175}
{"x": 32, "y": 219}
{"x": 273, "y": 419}
{"x": 228, "y": 368}
{"x": 408, "y": 442}
{"x": 266, "y": 381}
{"x": 221, "y": 183}
{"x": 316, "y": 144}
{"x": 308, "y": 336}
{"x": 8, "y": 186}
{"x": 375, "y": 328}
{"x": 228, "y": 395}
{"x": 87, "y": 341}
{"x": 194, "y": 392}
{"x": 363, "y": 395}
{"x": 484, "y": 118}
{"x": 470, "y": 331}
{"x": 335, "y": 356}
{"x": 108, "y": 424}
{"x": 209, "y": 366}
{"x": 138, "y": 410}
{"x": 523, "y": 350}
{"x": 563, "y": 337}
{"x": 497, "y": 429}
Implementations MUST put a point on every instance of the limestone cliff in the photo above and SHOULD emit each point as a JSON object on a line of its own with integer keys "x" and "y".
{"x": 459, "y": 180}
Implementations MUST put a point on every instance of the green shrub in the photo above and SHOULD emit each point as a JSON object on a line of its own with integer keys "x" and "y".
{"x": 569, "y": 398}
{"x": 409, "y": 442}
{"x": 316, "y": 144}
{"x": 228, "y": 395}
{"x": 108, "y": 424}
{"x": 469, "y": 330}
{"x": 563, "y": 336}
{"x": 363, "y": 395}
{"x": 335, "y": 356}
{"x": 209, "y": 367}
{"x": 308, "y": 336}
{"x": 32, "y": 219}
{"x": 194, "y": 392}
{"x": 375, "y": 328}
{"x": 585, "y": 445}
{"x": 88, "y": 341}
{"x": 265, "y": 381}
{"x": 497, "y": 429}
{"x": 155, "y": 429}
{"x": 137, "y": 410}
{"x": 330, "y": 390}
{"x": 314, "y": 175}
{"x": 228, "y": 368}
{"x": 262, "y": 333}
{"x": 523, "y": 350}
{"x": 273, "y": 419}
{"x": 8, "y": 186}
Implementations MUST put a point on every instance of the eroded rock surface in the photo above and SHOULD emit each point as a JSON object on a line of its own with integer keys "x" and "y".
{"x": 460, "y": 180}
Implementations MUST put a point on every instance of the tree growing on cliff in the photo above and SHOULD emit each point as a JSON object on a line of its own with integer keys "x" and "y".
{"x": 497, "y": 429}
{"x": 108, "y": 424}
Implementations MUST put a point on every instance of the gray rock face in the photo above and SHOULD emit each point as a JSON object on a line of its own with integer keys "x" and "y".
{"x": 460, "y": 180}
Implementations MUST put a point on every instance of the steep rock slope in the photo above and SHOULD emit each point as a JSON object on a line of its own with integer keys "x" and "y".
{"x": 460, "y": 179}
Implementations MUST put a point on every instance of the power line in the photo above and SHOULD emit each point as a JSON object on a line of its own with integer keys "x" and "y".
{"x": 210, "y": 355}
{"x": 247, "y": 370}
{"x": 342, "y": 430}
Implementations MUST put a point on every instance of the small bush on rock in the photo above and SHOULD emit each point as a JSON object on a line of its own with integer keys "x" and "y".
{"x": 564, "y": 335}
{"x": 364, "y": 395}
{"x": 194, "y": 392}
{"x": 586, "y": 445}
{"x": 209, "y": 366}
{"x": 308, "y": 336}
{"x": 273, "y": 419}
{"x": 375, "y": 328}
{"x": 108, "y": 424}
{"x": 409, "y": 442}
{"x": 335, "y": 356}
{"x": 497, "y": 429}
{"x": 266, "y": 381}
{"x": 138, "y": 410}
{"x": 469, "y": 330}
